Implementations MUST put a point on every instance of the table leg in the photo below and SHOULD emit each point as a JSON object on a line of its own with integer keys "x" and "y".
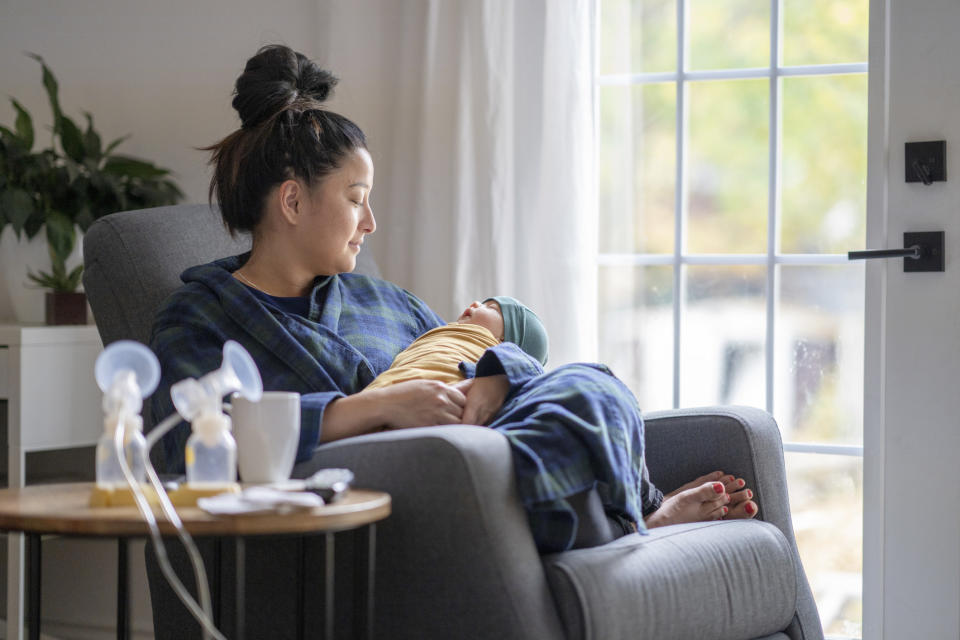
{"x": 301, "y": 588}
{"x": 240, "y": 589}
{"x": 365, "y": 557}
{"x": 123, "y": 589}
{"x": 15, "y": 580}
{"x": 33, "y": 584}
{"x": 329, "y": 615}
{"x": 216, "y": 582}
{"x": 16, "y": 478}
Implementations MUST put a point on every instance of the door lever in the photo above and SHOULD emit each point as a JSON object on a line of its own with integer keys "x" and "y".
{"x": 910, "y": 252}
{"x": 924, "y": 251}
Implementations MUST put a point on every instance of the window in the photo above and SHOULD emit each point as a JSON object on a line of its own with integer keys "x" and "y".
{"x": 732, "y": 159}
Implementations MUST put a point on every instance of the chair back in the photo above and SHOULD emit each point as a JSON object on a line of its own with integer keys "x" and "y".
{"x": 133, "y": 261}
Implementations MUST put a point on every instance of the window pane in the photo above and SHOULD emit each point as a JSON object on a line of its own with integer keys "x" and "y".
{"x": 826, "y": 500}
{"x": 824, "y": 157}
{"x": 733, "y": 34}
{"x": 638, "y": 36}
{"x": 728, "y": 166}
{"x": 636, "y": 325}
{"x": 723, "y": 335}
{"x": 637, "y": 168}
{"x": 818, "y": 354}
{"x": 825, "y": 31}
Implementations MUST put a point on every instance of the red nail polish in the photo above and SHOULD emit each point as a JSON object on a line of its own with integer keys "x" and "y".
{"x": 749, "y": 508}
{"x": 749, "y": 494}
{"x": 718, "y": 487}
{"x": 725, "y": 511}
{"x": 741, "y": 483}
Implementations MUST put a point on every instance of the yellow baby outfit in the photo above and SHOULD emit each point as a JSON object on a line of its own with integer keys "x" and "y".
{"x": 437, "y": 354}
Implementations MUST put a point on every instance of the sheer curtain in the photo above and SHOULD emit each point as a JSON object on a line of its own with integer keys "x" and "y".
{"x": 487, "y": 182}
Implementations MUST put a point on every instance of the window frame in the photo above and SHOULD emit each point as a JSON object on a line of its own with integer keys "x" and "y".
{"x": 773, "y": 258}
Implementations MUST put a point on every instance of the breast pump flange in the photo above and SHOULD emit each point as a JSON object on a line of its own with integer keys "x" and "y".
{"x": 211, "y": 451}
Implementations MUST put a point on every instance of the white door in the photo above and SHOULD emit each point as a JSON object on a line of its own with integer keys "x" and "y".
{"x": 912, "y": 381}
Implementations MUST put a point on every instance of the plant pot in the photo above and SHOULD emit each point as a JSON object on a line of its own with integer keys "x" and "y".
{"x": 66, "y": 308}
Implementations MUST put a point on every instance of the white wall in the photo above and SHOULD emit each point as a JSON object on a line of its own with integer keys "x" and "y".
{"x": 164, "y": 71}
{"x": 912, "y": 432}
{"x": 161, "y": 71}
{"x": 361, "y": 44}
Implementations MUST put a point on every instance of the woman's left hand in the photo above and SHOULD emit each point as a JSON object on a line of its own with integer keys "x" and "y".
{"x": 485, "y": 397}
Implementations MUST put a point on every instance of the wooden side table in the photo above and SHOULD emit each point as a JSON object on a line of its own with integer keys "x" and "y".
{"x": 64, "y": 509}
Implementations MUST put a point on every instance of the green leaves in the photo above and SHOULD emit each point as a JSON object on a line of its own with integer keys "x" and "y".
{"x": 23, "y": 125}
{"x": 133, "y": 168}
{"x": 91, "y": 139}
{"x": 16, "y": 206}
{"x": 113, "y": 145}
{"x": 69, "y": 184}
{"x": 71, "y": 139}
{"x": 61, "y": 236}
{"x": 53, "y": 89}
{"x": 57, "y": 279}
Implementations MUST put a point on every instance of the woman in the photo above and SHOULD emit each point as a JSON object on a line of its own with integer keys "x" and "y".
{"x": 299, "y": 178}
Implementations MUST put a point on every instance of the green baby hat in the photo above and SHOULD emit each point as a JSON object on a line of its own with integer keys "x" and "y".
{"x": 522, "y": 327}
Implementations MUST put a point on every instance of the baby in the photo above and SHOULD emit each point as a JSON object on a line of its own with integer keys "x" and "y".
{"x": 437, "y": 354}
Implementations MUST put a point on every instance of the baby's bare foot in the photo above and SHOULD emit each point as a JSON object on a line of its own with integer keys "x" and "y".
{"x": 706, "y": 501}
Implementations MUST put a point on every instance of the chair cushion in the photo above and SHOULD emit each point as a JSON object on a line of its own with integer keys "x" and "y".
{"x": 741, "y": 573}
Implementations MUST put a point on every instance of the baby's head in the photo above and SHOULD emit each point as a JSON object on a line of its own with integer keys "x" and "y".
{"x": 509, "y": 320}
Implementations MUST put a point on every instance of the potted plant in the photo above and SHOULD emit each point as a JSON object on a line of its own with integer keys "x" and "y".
{"x": 67, "y": 185}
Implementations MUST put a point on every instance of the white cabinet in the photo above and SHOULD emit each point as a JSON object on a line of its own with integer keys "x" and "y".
{"x": 46, "y": 377}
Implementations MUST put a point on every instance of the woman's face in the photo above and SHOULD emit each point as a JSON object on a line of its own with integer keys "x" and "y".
{"x": 338, "y": 215}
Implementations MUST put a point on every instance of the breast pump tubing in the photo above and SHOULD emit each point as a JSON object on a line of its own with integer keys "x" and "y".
{"x": 204, "y": 611}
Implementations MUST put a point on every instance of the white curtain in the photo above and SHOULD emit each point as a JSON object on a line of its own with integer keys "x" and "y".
{"x": 489, "y": 187}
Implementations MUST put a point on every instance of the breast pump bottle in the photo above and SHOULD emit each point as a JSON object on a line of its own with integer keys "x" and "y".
{"x": 126, "y": 372}
{"x": 211, "y": 452}
{"x": 121, "y": 405}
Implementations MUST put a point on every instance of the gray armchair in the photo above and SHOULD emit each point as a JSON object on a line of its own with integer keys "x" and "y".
{"x": 456, "y": 558}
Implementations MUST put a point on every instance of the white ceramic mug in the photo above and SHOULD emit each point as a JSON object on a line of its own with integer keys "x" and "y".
{"x": 267, "y": 434}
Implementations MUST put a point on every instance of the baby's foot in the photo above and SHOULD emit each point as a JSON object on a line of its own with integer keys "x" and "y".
{"x": 706, "y": 501}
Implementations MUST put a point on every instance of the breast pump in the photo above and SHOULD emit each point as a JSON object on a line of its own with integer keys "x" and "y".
{"x": 211, "y": 453}
{"x": 126, "y": 372}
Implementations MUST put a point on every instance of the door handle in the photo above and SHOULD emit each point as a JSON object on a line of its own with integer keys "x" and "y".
{"x": 911, "y": 252}
{"x": 923, "y": 251}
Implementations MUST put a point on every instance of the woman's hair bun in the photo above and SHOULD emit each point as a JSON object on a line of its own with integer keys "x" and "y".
{"x": 276, "y": 78}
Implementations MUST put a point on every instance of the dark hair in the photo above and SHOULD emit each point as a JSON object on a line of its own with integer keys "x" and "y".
{"x": 285, "y": 133}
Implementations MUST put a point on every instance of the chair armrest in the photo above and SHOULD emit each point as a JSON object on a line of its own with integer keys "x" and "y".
{"x": 457, "y": 532}
{"x": 743, "y": 441}
{"x": 684, "y": 444}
